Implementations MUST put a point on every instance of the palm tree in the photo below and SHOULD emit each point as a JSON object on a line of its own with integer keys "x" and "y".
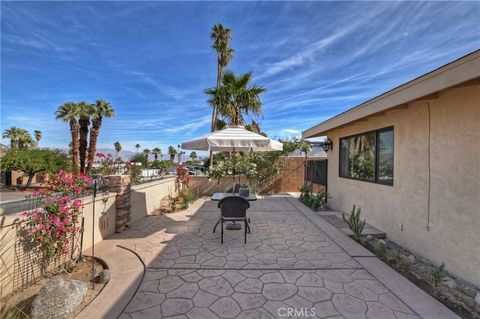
{"x": 137, "y": 147}
{"x": 68, "y": 112}
{"x": 156, "y": 151}
{"x": 38, "y": 136}
{"x": 19, "y": 137}
{"x": 221, "y": 37}
{"x": 118, "y": 148}
{"x": 85, "y": 110}
{"x": 172, "y": 152}
{"x": 193, "y": 155}
{"x": 100, "y": 109}
{"x": 236, "y": 97}
{"x": 146, "y": 152}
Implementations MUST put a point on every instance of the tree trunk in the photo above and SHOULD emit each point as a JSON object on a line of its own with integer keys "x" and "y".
{"x": 215, "y": 111}
{"x": 92, "y": 147}
{"x": 172, "y": 158}
{"x": 84, "y": 122}
{"x": 30, "y": 178}
{"x": 75, "y": 144}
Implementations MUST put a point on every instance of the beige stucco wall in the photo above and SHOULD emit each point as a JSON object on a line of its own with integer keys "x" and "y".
{"x": 103, "y": 227}
{"x": 452, "y": 234}
{"x": 146, "y": 198}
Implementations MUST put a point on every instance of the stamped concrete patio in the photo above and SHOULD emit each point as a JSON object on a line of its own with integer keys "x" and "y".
{"x": 293, "y": 259}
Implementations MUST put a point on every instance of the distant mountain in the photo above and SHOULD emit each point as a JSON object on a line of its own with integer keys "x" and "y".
{"x": 124, "y": 155}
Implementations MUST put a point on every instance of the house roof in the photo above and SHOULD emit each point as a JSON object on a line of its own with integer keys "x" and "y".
{"x": 452, "y": 74}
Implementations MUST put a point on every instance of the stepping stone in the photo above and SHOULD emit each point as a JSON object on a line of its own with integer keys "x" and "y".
{"x": 249, "y": 301}
{"x": 314, "y": 294}
{"x": 173, "y": 307}
{"x": 225, "y": 307}
{"x": 279, "y": 291}
{"x": 203, "y": 299}
{"x": 250, "y": 286}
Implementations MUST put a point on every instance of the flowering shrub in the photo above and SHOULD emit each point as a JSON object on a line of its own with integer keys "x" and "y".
{"x": 182, "y": 175}
{"x": 54, "y": 223}
{"x": 107, "y": 165}
{"x": 134, "y": 171}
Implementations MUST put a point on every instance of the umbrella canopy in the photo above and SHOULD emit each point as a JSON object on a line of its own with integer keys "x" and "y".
{"x": 233, "y": 138}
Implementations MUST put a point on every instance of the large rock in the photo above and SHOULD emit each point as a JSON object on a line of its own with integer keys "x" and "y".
{"x": 58, "y": 299}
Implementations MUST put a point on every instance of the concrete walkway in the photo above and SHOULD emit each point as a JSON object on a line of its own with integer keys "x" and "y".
{"x": 294, "y": 265}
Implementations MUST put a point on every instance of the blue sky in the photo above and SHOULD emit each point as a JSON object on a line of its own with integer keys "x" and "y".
{"x": 152, "y": 60}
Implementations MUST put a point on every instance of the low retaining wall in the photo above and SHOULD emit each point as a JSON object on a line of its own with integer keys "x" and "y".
{"x": 19, "y": 269}
{"x": 146, "y": 198}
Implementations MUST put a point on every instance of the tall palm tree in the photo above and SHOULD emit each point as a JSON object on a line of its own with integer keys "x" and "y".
{"x": 86, "y": 111}
{"x": 101, "y": 109}
{"x": 68, "y": 112}
{"x": 137, "y": 147}
{"x": 19, "y": 137}
{"x": 236, "y": 97}
{"x": 221, "y": 38}
{"x": 118, "y": 148}
{"x": 156, "y": 151}
{"x": 172, "y": 152}
{"x": 38, "y": 136}
{"x": 146, "y": 152}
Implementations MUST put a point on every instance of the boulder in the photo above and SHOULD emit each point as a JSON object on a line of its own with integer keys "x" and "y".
{"x": 58, "y": 299}
{"x": 104, "y": 276}
{"x": 369, "y": 237}
{"x": 412, "y": 259}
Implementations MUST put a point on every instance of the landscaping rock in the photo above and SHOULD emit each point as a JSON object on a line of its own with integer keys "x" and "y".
{"x": 477, "y": 298}
{"x": 450, "y": 283}
{"x": 412, "y": 259}
{"x": 58, "y": 299}
{"x": 382, "y": 242}
{"x": 369, "y": 237}
{"x": 104, "y": 276}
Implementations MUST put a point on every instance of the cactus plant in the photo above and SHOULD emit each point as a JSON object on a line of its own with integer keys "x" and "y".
{"x": 353, "y": 221}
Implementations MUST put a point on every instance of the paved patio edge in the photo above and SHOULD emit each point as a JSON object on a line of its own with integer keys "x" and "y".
{"x": 418, "y": 300}
{"x": 127, "y": 272}
{"x": 338, "y": 236}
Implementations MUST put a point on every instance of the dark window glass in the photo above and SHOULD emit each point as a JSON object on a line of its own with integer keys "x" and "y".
{"x": 368, "y": 156}
{"x": 385, "y": 157}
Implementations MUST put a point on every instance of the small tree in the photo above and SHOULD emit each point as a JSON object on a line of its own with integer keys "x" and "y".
{"x": 118, "y": 148}
{"x": 137, "y": 147}
{"x": 172, "y": 152}
{"x": 146, "y": 152}
{"x": 33, "y": 161}
{"x": 193, "y": 156}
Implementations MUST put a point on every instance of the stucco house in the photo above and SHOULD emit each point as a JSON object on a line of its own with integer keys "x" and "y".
{"x": 411, "y": 159}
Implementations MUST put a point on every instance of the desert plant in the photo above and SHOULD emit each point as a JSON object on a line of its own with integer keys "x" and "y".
{"x": 438, "y": 274}
{"x": 173, "y": 203}
{"x": 353, "y": 221}
{"x": 381, "y": 249}
{"x": 187, "y": 199}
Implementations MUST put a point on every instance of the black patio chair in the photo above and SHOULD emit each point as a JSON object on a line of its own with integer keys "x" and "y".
{"x": 233, "y": 209}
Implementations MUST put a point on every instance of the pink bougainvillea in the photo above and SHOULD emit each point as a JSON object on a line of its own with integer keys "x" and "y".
{"x": 54, "y": 223}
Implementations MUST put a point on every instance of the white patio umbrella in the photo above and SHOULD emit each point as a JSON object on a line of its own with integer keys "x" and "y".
{"x": 235, "y": 139}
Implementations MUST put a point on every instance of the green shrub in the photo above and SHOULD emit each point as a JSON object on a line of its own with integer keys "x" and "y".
{"x": 353, "y": 221}
{"x": 438, "y": 274}
{"x": 381, "y": 250}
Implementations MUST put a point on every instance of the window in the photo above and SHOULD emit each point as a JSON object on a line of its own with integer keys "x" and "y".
{"x": 368, "y": 156}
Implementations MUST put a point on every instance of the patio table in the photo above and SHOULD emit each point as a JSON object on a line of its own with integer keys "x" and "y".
{"x": 216, "y": 197}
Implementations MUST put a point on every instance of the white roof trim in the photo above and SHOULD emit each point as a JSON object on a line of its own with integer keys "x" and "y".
{"x": 459, "y": 71}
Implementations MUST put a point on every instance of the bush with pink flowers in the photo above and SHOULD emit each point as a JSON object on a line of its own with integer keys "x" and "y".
{"x": 52, "y": 226}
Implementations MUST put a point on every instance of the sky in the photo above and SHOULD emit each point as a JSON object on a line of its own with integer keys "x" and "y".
{"x": 152, "y": 60}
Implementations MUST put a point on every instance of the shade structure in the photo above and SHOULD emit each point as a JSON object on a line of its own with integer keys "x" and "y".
{"x": 233, "y": 138}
